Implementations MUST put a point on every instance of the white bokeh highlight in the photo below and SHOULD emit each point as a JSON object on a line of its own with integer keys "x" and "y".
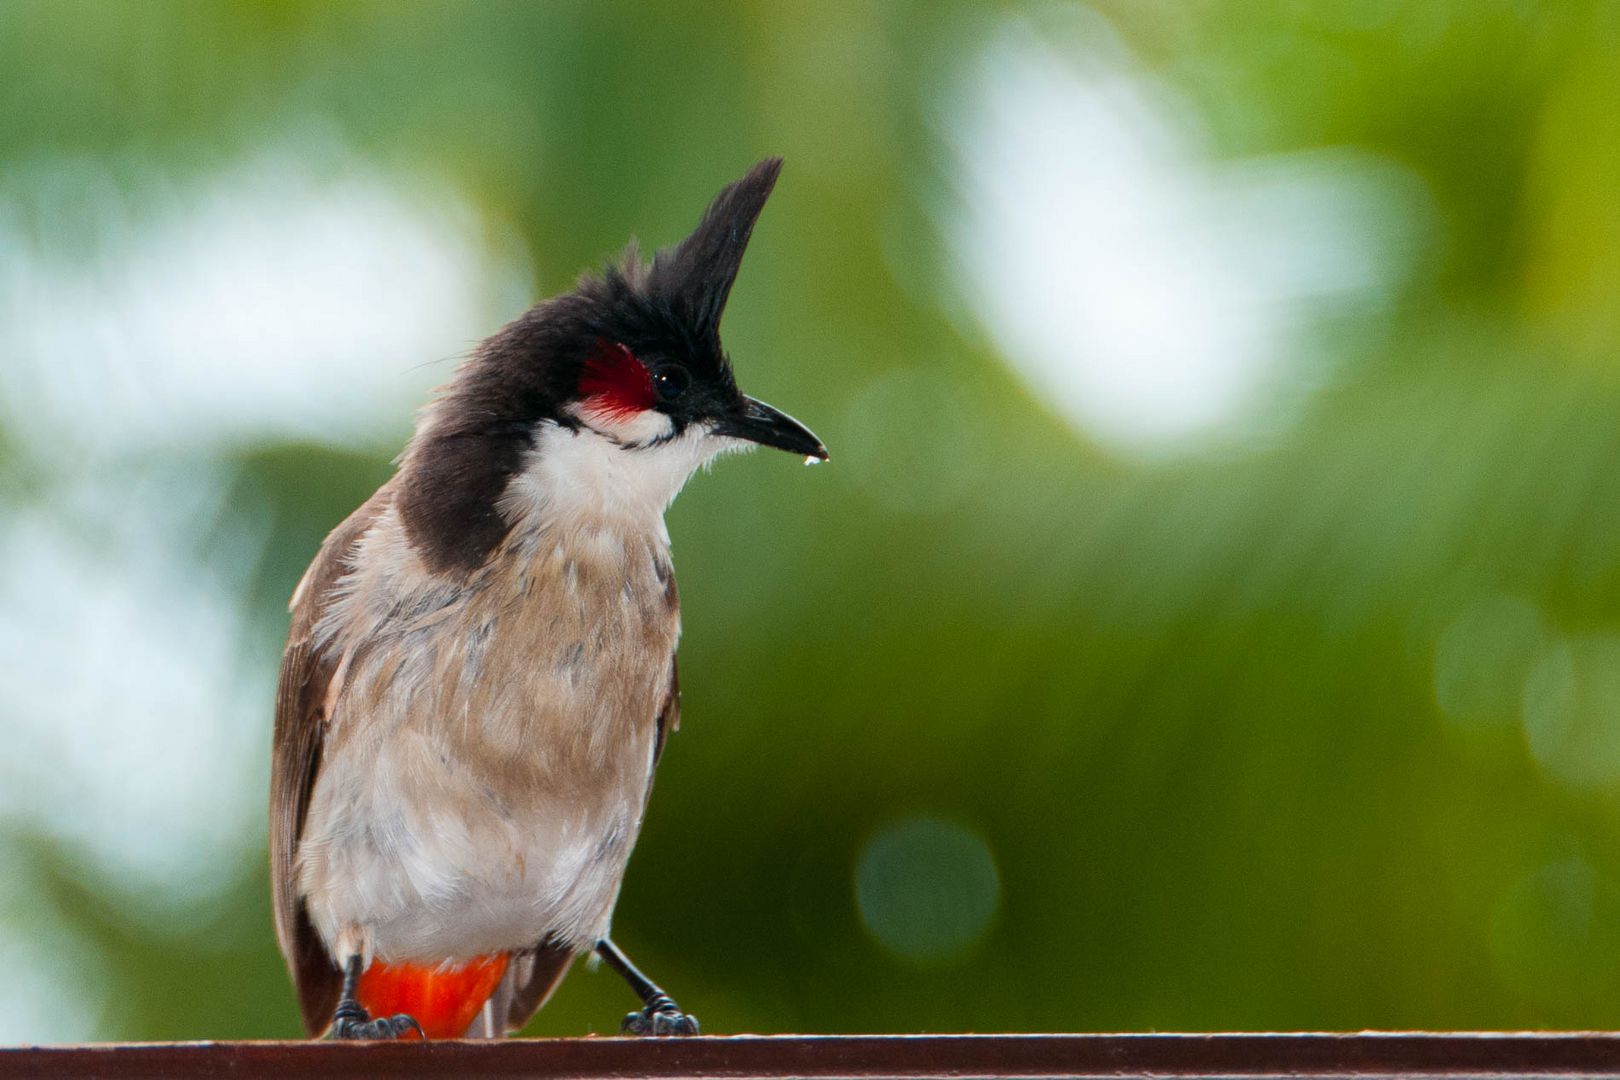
{"x": 296, "y": 294}
{"x": 129, "y": 673}
{"x": 1153, "y": 296}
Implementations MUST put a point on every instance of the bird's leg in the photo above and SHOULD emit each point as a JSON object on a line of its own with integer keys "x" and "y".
{"x": 351, "y": 1021}
{"x": 659, "y": 1014}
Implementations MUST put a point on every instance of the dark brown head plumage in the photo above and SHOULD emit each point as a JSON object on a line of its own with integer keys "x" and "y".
{"x": 474, "y": 437}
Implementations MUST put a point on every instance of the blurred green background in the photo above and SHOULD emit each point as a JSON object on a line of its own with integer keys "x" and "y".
{"x": 1210, "y": 617}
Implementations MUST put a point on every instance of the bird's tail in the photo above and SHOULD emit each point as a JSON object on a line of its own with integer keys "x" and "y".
{"x": 444, "y": 999}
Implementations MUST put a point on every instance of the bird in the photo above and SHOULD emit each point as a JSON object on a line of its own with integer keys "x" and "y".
{"x": 480, "y": 671}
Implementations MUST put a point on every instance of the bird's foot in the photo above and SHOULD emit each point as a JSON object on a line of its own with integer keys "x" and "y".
{"x": 353, "y": 1023}
{"x": 661, "y": 1017}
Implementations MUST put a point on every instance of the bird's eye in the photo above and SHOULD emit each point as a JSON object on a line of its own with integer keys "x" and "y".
{"x": 671, "y": 382}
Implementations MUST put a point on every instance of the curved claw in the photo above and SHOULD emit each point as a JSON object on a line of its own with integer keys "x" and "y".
{"x": 383, "y": 1027}
{"x": 659, "y": 1022}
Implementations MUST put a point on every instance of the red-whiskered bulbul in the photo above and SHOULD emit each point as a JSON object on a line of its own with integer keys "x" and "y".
{"x": 480, "y": 674}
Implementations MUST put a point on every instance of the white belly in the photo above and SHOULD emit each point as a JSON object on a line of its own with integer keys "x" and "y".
{"x": 430, "y": 865}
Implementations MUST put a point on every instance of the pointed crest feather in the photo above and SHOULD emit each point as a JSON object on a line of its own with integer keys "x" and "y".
{"x": 696, "y": 275}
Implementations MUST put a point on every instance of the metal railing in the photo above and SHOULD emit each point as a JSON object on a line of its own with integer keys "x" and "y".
{"x": 1370, "y": 1054}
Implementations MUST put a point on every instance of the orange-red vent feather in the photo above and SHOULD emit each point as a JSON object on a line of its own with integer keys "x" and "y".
{"x": 444, "y": 1000}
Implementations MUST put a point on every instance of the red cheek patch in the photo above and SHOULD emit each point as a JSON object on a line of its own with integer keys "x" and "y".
{"x": 614, "y": 382}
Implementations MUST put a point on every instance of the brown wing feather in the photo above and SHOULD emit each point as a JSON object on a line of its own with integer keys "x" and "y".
{"x": 669, "y": 714}
{"x": 530, "y": 978}
{"x": 295, "y": 759}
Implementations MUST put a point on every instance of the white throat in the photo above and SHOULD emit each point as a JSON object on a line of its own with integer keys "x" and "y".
{"x": 625, "y": 472}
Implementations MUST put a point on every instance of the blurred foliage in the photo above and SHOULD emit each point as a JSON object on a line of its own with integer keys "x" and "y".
{"x": 1196, "y": 709}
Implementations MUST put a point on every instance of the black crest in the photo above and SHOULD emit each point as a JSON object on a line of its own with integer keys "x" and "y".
{"x": 695, "y": 276}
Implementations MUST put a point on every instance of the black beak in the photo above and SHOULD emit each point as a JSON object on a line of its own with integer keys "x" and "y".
{"x": 759, "y": 423}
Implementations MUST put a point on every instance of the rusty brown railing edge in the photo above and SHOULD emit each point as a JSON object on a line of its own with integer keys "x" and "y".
{"x": 1235, "y": 1054}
